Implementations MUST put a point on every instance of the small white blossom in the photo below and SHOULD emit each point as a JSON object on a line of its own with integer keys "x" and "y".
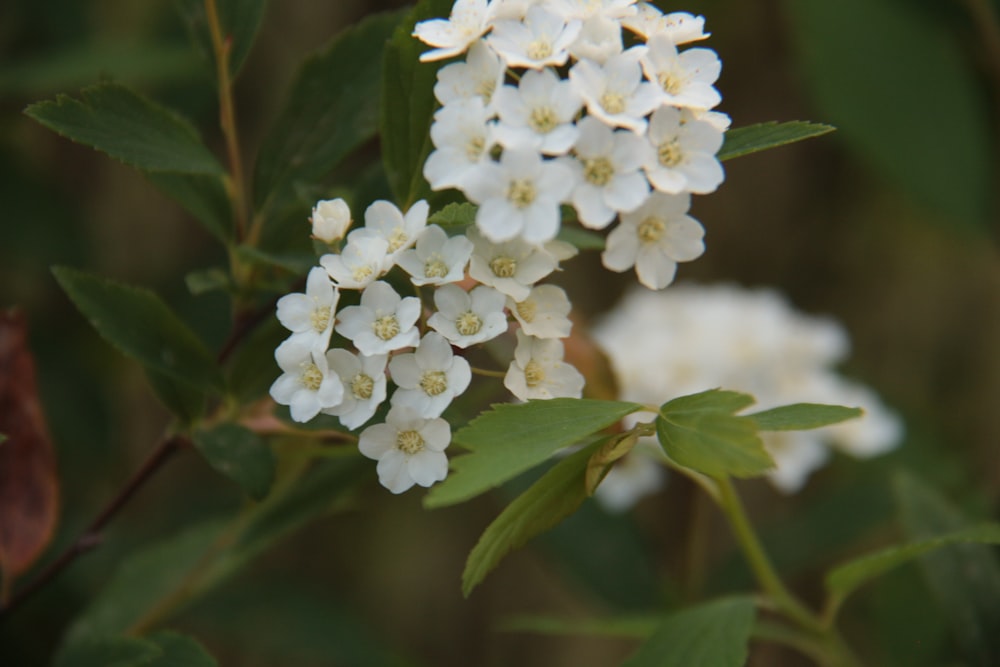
{"x": 453, "y": 36}
{"x": 654, "y": 238}
{"x": 615, "y": 92}
{"x": 436, "y": 258}
{"x": 511, "y": 267}
{"x": 467, "y": 318}
{"x": 538, "y": 113}
{"x": 538, "y": 370}
{"x": 544, "y": 313}
{"x": 684, "y": 79}
{"x": 310, "y": 316}
{"x": 683, "y": 156}
{"x": 409, "y": 449}
{"x": 399, "y": 232}
{"x": 680, "y": 27}
{"x": 585, "y": 9}
{"x": 360, "y": 263}
{"x": 382, "y": 322}
{"x": 330, "y": 220}
{"x": 540, "y": 40}
{"x": 513, "y": 10}
{"x": 462, "y": 134}
{"x": 364, "y": 386}
{"x": 430, "y": 377}
{"x": 599, "y": 39}
{"x": 479, "y": 76}
{"x": 306, "y": 385}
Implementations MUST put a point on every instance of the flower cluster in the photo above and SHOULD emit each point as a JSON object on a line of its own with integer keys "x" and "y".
{"x": 481, "y": 289}
{"x": 691, "y": 338}
{"x": 585, "y": 103}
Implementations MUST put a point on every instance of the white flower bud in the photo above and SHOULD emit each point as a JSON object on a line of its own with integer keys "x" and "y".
{"x": 330, "y": 219}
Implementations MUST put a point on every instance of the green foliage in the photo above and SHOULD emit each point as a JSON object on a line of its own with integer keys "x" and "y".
{"x": 331, "y": 110}
{"x": 584, "y": 239}
{"x": 179, "y": 651}
{"x": 108, "y": 652}
{"x": 742, "y": 141}
{"x": 628, "y": 627}
{"x": 803, "y": 416}
{"x": 877, "y": 93}
{"x": 714, "y": 634}
{"x": 139, "y": 324}
{"x": 454, "y": 215}
{"x": 239, "y": 454}
{"x": 115, "y": 120}
{"x": 239, "y": 21}
{"x": 549, "y": 500}
{"x": 202, "y": 196}
{"x": 510, "y": 439}
{"x": 408, "y": 105}
{"x": 248, "y": 377}
{"x": 702, "y": 432}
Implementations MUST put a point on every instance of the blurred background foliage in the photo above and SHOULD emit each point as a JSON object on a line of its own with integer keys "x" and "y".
{"x": 891, "y": 225}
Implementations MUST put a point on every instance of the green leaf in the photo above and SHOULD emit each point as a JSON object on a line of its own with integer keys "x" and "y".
{"x": 108, "y": 652}
{"x": 510, "y": 439}
{"x": 876, "y": 92}
{"x": 179, "y": 651}
{"x": 239, "y": 20}
{"x": 549, "y": 500}
{"x": 754, "y": 138}
{"x": 182, "y": 399}
{"x": 454, "y": 215}
{"x": 239, "y": 454}
{"x": 964, "y": 579}
{"x": 139, "y": 324}
{"x": 803, "y": 416}
{"x": 702, "y": 432}
{"x": 208, "y": 280}
{"x": 626, "y": 627}
{"x": 117, "y": 121}
{"x": 203, "y": 196}
{"x": 332, "y": 109}
{"x": 584, "y": 239}
{"x": 847, "y": 578}
{"x": 249, "y": 378}
{"x": 408, "y": 105}
{"x": 714, "y": 634}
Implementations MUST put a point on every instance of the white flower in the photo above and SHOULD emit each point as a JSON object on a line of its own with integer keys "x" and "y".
{"x": 615, "y": 91}
{"x": 585, "y": 9}
{"x": 680, "y": 27}
{"x": 538, "y": 370}
{"x": 540, "y": 40}
{"x": 599, "y": 39}
{"x": 360, "y": 263}
{"x": 683, "y": 156}
{"x": 330, "y": 220}
{"x": 519, "y": 196}
{"x": 400, "y": 232}
{"x": 514, "y": 10}
{"x": 430, "y": 377}
{"x": 538, "y": 113}
{"x": 306, "y": 384}
{"x": 609, "y": 179}
{"x": 654, "y": 238}
{"x": 466, "y": 24}
{"x": 409, "y": 449}
{"x": 544, "y": 313}
{"x": 480, "y": 75}
{"x": 467, "y": 318}
{"x": 309, "y": 316}
{"x": 364, "y": 386}
{"x": 463, "y": 135}
{"x": 511, "y": 267}
{"x": 383, "y": 321}
{"x": 685, "y": 79}
{"x": 436, "y": 259}
{"x": 637, "y": 474}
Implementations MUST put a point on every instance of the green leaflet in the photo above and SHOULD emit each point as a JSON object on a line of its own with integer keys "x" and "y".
{"x": 179, "y": 651}
{"x": 762, "y": 136}
{"x": 803, "y": 416}
{"x": 108, "y": 652}
{"x": 454, "y": 215}
{"x": 239, "y": 454}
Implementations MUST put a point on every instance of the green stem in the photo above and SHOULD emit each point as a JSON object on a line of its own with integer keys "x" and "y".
{"x": 488, "y": 373}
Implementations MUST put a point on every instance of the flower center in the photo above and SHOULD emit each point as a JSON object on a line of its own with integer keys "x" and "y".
{"x": 362, "y": 386}
{"x": 521, "y": 192}
{"x": 650, "y": 230}
{"x": 409, "y": 442}
{"x": 598, "y": 171}
{"x": 670, "y": 83}
{"x": 435, "y": 268}
{"x": 527, "y": 309}
{"x": 397, "y": 239}
{"x": 543, "y": 120}
{"x": 613, "y": 103}
{"x": 669, "y": 153}
{"x": 361, "y": 272}
{"x": 320, "y": 319}
{"x": 504, "y": 267}
{"x": 312, "y": 377}
{"x": 386, "y": 327}
{"x": 468, "y": 324}
{"x": 474, "y": 147}
{"x": 486, "y": 88}
{"x": 539, "y": 49}
{"x": 433, "y": 382}
{"x": 534, "y": 374}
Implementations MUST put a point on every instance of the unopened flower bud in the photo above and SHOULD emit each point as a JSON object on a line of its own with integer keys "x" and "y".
{"x": 330, "y": 219}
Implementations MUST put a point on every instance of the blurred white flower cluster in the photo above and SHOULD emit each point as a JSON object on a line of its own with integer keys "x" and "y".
{"x": 587, "y": 103}
{"x": 692, "y": 338}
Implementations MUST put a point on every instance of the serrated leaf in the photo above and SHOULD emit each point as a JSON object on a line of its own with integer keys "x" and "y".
{"x": 179, "y": 651}
{"x": 713, "y": 634}
{"x": 702, "y": 432}
{"x": 139, "y": 324}
{"x": 115, "y": 120}
{"x": 239, "y": 21}
{"x": 547, "y": 502}
{"x": 408, "y": 105}
{"x": 803, "y": 416}
{"x": 964, "y": 579}
{"x": 454, "y": 215}
{"x": 203, "y": 196}
{"x": 510, "y": 439}
{"x": 742, "y": 141}
{"x": 239, "y": 454}
{"x": 108, "y": 652}
{"x": 331, "y": 110}
{"x": 845, "y": 579}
